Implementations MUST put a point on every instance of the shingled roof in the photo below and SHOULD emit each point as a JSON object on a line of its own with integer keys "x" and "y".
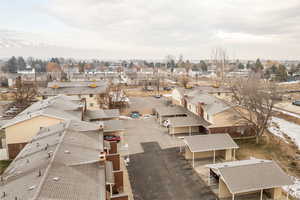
{"x": 74, "y": 88}
{"x": 252, "y": 175}
{"x": 61, "y": 162}
{"x": 202, "y": 143}
{"x": 61, "y": 107}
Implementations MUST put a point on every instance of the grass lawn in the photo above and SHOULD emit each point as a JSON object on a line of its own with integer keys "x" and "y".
{"x": 3, "y": 165}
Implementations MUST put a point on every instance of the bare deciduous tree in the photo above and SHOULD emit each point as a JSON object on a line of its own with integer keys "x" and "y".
{"x": 220, "y": 59}
{"x": 24, "y": 94}
{"x": 256, "y": 99}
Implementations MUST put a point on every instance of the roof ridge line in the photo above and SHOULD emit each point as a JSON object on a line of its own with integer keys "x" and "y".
{"x": 35, "y": 197}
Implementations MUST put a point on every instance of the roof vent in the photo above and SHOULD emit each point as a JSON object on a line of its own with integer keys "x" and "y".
{"x": 31, "y": 188}
{"x": 56, "y": 178}
{"x": 67, "y": 152}
{"x": 102, "y": 156}
{"x": 40, "y": 173}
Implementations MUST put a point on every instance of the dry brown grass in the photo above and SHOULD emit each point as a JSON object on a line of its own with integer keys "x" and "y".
{"x": 271, "y": 148}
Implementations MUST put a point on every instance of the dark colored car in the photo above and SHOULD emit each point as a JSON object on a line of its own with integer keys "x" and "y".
{"x": 157, "y": 96}
{"x": 167, "y": 88}
{"x": 296, "y": 103}
{"x": 112, "y": 138}
{"x": 135, "y": 114}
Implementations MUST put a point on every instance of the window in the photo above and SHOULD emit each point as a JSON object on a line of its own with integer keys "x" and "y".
{"x": 91, "y": 95}
{"x": 207, "y": 117}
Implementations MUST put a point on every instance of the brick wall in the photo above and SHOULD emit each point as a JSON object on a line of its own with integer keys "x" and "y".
{"x": 119, "y": 182}
{"x": 234, "y": 131}
{"x": 14, "y": 149}
{"x": 115, "y": 159}
{"x": 113, "y": 148}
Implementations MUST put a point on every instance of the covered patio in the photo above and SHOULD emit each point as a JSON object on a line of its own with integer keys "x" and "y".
{"x": 210, "y": 146}
{"x": 187, "y": 125}
{"x": 164, "y": 113}
{"x": 249, "y": 179}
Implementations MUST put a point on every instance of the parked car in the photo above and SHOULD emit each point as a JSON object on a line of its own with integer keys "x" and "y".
{"x": 149, "y": 88}
{"x": 157, "y": 96}
{"x": 167, "y": 88}
{"x": 112, "y": 138}
{"x": 135, "y": 114}
{"x": 166, "y": 123}
{"x": 296, "y": 103}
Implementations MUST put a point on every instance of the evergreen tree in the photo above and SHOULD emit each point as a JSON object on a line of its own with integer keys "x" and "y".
{"x": 203, "y": 66}
{"x": 282, "y": 73}
{"x": 12, "y": 65}
{"x": 21, "y": 63}
{"x": 241, "y": 66}
{"x": 258, "y": 66}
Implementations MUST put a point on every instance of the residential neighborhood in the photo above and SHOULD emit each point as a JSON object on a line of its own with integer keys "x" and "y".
{"x": 149, "y": 100}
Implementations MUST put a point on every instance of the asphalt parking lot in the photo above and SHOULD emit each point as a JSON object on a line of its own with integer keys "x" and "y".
{"x": 156, "y": 170}
{"x": 161, "y": 174}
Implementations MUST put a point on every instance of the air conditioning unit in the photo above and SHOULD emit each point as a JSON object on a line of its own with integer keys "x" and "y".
{"x": 102, "y": 157}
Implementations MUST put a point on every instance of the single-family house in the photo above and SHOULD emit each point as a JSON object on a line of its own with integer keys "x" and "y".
{"x": 21, "y": 129}
{"x": 88, "y": 90}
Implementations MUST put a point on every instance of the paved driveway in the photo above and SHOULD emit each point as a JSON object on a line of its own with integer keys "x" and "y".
{"x": 147, "y": 130}
{"x": 158, "y": 174}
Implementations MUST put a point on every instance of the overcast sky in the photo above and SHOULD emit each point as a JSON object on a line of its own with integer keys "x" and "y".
{"x": 114, "y": 29}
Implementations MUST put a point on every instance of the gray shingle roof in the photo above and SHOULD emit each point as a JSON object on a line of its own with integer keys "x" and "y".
{"x": 187, "y": 121}
{"x": 253, "y": 177}
{"x": 60, "y": 107}
{"x": 74, "y": 88}
{"x": 202, "y": 143}
{"x": 71, "y": 172}
{"x": 171, "y": 110}
{"x": 113, "y": 125}
{"x": 102, "y": 114}
{"x": 76, "y": 83}
{"x": 212, "y": 105}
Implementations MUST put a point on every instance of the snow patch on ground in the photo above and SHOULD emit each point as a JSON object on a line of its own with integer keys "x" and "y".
{"x": 287, "y": 113}
{"x": 293, "y": 190}
{"x": 290, "y": 82}
{"x": 281, "y": 127}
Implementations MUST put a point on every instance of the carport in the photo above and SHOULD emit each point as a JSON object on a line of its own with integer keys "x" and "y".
{"x": 179, "y": 125}
{"x": 207, "y": 146}
{"x": 250, "y": 179}
{"x": 164, "y": 113}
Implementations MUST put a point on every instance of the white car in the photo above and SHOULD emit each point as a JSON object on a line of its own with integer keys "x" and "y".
{"x": 166, "y": 123}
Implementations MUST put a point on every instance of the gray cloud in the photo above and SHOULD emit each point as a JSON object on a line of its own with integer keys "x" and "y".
{"x": 138, "y": 28}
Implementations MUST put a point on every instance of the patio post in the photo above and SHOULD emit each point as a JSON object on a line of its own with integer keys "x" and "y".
{"x": 233, "y": 154}
{"x": 232, "y": 196}
{"x": 193, "y": 160}
{"x": 214, "y": 156}
{"x": 261, "y": 194}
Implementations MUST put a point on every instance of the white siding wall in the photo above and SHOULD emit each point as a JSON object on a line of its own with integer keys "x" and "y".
{"x": 176, "y": 95}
